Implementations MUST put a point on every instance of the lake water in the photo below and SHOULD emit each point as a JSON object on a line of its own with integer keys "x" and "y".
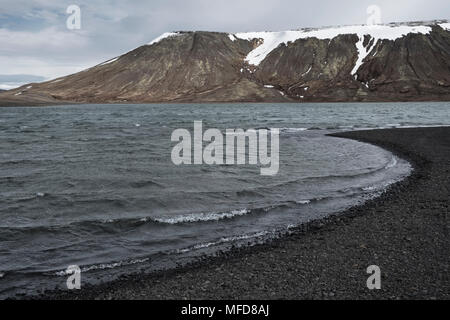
{"x": 94, "y": 185}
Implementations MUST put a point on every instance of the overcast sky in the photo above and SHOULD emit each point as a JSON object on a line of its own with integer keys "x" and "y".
{"x": 34, "y": 38}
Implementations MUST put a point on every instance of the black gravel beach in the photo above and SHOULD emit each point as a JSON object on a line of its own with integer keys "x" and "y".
{"x": 405, "y": 232}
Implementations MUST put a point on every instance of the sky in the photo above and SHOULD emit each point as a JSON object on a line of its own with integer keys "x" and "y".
{"x": 36, "y": 43}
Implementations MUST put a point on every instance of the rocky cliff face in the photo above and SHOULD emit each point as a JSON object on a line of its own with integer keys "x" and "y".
{"x": 402, "y": 62}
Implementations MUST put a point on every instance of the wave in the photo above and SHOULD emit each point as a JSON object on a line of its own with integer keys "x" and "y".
{"x": 379, "y": 187}
{"x": 23, "y": 162}
{"x": 103, "y": 266}
{"x": 123, "y": 263}
{"x": 145, "y": 183}
{"x": 292, "y": 130}
{"x": 389, "y": 165}
{"x": 392, "y": 163}
{"x": 115, "y": 225}
{"x": 199, "y": 246}
{"x": 197, "y": 217}
{"x": 129, "y": 222}
{"x": 225, "y": 240}
{"x": 217, "y": 216}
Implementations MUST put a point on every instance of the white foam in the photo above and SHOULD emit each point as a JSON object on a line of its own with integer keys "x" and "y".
{"x": 163, "y": 36}
{"x": 271, "y": 40}
{"x": 292, "y": 130}
{"x": 224, "y": 240}
{"x": 268, "y": 86}
{"x": 391, "y": 163}
{"x": 381, "y": 188}
{"x": 231, "y": 132}
{"x": 106, "y": 266}
{"x": 197, "y": 217}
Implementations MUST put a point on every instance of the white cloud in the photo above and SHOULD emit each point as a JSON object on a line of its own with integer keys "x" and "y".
{"x": 49, "y": 53}
{"x": 10, "y": 85}
{"x": 39, "y": 66}
{"x": 48, "y": 40}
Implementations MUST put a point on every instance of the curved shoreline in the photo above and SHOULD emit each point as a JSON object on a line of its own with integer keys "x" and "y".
{"x": 404, "y": 231}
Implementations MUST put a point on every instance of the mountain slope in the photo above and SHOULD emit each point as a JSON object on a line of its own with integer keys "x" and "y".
{"x": 397, "y": 62}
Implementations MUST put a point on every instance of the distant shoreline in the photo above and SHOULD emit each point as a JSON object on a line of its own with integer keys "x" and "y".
{"x": 404, "y": 232}
{"x": 68, "y": 103}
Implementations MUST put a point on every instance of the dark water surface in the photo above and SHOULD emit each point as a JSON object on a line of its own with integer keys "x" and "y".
{"x": 94, "y": 185}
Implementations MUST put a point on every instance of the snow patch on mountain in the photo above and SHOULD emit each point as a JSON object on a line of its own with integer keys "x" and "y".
{"x": 307, "y": 71}
{"x": 109, "y": 61}
{"x": 163, "y": 36}
{"x": 362, "y": 54}
{"x": 271, "y": 40}
{"x": 445, "y": 26}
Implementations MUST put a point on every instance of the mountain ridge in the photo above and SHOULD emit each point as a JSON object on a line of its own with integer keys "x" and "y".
{"x": 394, "y": 62}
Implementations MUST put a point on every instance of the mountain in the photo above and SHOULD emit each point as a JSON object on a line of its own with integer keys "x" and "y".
{"x": 394, "y": 62}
